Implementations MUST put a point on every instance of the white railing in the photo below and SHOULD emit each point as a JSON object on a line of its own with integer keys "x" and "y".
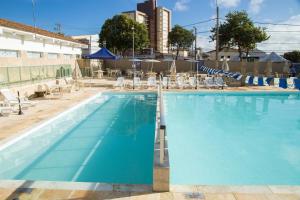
{"x": 160, "y": 135}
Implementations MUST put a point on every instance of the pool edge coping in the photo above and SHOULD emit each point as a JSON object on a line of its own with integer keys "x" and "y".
{"x": 261, "y": 189}
{"x": 85, "y": 186}
{"x": 27, "y": 131}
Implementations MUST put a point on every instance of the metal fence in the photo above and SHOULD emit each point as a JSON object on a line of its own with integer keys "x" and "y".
{"x": 23, "y": 74}
{"x": 86, "y": 72}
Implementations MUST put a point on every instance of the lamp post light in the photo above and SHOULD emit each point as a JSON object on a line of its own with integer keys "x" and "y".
{"x": 133, "y": 63}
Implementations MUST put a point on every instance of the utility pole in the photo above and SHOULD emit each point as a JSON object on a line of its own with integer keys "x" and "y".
{"x": 90, "y": 45}
{"x": 195, "y": 29}
{"x": 33, "y": 13}
{"x": 217, "y": 36}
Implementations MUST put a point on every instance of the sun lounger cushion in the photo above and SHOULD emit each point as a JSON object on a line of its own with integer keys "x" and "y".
{"x": 283, "y": 83}
{"x": 250, "y": 80}
{"x": 268, "y": 80}
{"x": 297, "y": 83}
{"x": 261, "y": 81}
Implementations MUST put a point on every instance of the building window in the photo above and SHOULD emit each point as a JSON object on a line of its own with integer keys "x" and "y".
{"x": 52, "y": 55}
{"x": 33, "y": 54}
{"x": 9, "y": 53}
{"x": 68, "y": 56}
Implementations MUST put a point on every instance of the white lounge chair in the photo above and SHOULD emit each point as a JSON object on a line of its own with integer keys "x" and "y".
{"x": 120, "y": 82}
{"x": 52, "y": 89}
{"x": 291, "y": 83}
{"x": 65, "y": 86}
{"x": 276, "y": 82}
{"x": 255, "y": 80}
{"x": 136, "y": 82}
{"x": 5, "y": 109}
{"x": 12, "y": 99}
{"x": 151, "y": 82}
{"x": 192, "y": 82}
{"x": 180, "y": 82}
{"x": 166, "y": 82}
{"x": 265, "y": 81}
{"x": 209, "y": 82}
{"x": 220, "y": 82}
{"x": 247, "y": 79}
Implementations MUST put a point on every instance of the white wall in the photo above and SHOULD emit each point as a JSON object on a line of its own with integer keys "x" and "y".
{"x": 20, "y": 41}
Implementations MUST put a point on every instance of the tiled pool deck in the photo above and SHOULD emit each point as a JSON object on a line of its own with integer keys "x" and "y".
{"x": 15, "y": 125}
{"x": 194, "y": 192}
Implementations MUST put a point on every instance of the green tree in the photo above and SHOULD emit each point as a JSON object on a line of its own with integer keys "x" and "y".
{"x": 239, "y": 31}
{"x": 293, "y": 56}
{"x": 117, "y": 33}
{"x": 181, "y": 39}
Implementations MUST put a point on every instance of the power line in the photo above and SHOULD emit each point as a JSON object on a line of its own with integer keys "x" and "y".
{"x": 282, "y": 31}
{"x": 271, "y": 23}
{"x": 279, "y": 43}
{"x": 200, "y": 22}
{"x": 275, "y": 24}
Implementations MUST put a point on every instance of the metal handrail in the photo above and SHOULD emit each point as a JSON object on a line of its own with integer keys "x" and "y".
{"x": 161, "y": 125}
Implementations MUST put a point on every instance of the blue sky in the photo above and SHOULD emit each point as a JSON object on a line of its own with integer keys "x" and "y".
{"x": 87, "y": 16}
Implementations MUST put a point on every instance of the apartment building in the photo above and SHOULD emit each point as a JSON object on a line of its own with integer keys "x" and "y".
{"x": 159, "y": 24}
{"x": 163, "y": 27}
{"x": 137, "y": 16}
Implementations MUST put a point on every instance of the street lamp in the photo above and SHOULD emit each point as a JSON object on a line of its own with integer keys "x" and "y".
{"x": 133, "y": 64}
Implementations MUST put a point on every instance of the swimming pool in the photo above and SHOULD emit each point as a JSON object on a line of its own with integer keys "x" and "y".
{"x": 233, "y": 138}
{"x": 108, "y": 139}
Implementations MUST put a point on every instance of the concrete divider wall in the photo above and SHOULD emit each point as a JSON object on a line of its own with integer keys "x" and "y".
{"x": 184, "y": 66}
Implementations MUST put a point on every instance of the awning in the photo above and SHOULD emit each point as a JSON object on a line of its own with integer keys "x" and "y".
{"x": 102, "y": 54}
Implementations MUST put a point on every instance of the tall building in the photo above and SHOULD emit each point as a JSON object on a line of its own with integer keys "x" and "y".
{"x": 149, "y": 8}
{"x": 159, "y": 24}
{"x": 137, "y": 16}
{"x": 163, "y": 27}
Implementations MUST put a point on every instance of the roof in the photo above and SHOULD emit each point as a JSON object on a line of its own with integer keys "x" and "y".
{"x": 225, "y": 49}
{"x": 273, "y": 57}
{"x": 27, "y": 28}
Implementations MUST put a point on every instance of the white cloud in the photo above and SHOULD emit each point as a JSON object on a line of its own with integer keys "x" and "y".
{"x": 205, "y": 43}
{"x": 229, "y": 3}
{"x": 181, "y": 5}
{"x": 255, "y": 6}
{"x": 283, "y": 38}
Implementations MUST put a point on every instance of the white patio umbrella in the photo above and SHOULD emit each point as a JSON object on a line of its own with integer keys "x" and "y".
{"x": 225, "y": 65}
{"x": 173, "y": 68}
{"x": 151, "y": 61}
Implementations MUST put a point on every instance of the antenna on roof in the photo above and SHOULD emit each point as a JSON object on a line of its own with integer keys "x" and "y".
{"x": 217, "y": 35}
{"x": 33, "y": 16}
{"x": 58, "y": 28}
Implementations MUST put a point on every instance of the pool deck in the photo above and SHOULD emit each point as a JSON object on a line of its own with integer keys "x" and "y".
{"x": 46, "y": 108}
{"x": 177, "y": 193}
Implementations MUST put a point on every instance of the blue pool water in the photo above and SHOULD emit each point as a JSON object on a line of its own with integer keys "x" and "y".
{"x": 234, "y": 138}
{"x": 109, "y": 139}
